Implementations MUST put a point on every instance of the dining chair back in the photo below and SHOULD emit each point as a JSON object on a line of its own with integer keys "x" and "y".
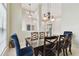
{"x": 50, "y": 47}
{"x": 34, "y": 36}
{"x": 26, "y": 51}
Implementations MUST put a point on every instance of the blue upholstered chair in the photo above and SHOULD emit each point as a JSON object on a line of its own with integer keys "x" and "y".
{"x": 69, "y": 35}
{"x": 26, "y": 51}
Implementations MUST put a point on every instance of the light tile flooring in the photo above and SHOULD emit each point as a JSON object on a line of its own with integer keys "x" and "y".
{"x": 75, "y": 51}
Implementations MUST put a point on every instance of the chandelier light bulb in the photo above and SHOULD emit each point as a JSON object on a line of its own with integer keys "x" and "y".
{"x": 45, "y": 17}
{"x": 30, "y": 16}
{"x": 53, "y": 19}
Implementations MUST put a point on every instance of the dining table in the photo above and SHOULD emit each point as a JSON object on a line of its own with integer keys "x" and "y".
{"x": 38, "y": 48}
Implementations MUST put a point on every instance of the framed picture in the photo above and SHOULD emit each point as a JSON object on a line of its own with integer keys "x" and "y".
{"x": 28, "y": 27}
{"x": 33, "y": 28}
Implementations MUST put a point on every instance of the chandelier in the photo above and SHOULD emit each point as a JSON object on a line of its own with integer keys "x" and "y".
{"x": 48, "y": 17}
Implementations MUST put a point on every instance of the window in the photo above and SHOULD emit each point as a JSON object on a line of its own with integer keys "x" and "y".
{"x": 2, "y": 27}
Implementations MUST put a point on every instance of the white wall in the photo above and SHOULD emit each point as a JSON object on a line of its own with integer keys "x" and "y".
{"x": 70, "y": 20}
{"x": 16, "y": 21}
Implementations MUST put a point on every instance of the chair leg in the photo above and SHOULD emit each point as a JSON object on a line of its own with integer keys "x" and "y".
{"x": 36, "y": 52}
{"x": 70, "y": 49}
{"x": 63, "y": 52}
{"x": 66, "y": 52}
{"x": 58, "y": 53}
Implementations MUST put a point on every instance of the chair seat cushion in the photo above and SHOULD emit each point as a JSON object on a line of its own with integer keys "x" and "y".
{"x": 27, "y": 51}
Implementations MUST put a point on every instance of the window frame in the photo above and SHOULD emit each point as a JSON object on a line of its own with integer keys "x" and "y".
{"x": 3, "y": 30}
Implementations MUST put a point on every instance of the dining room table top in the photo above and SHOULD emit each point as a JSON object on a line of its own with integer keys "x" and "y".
{"x": 37, "y": 42}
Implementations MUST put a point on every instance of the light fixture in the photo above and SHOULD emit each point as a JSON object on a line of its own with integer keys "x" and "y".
{"x": 48, "y": 17}
{"x": 45, "y": 18}
{"x": 52, "y": 19}
{"x": 30, "y": 16}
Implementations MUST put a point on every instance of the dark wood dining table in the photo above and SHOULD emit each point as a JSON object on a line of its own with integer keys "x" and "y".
{"x": 40, "y": 48}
